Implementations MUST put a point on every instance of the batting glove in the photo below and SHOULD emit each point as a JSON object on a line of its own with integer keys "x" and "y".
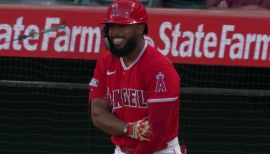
{"x": 139, "y": 130}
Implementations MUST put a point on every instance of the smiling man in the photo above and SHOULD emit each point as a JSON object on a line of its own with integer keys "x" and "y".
{"x": 134, "y": 93}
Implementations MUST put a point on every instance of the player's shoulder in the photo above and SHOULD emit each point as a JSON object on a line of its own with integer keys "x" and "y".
{"x": 107, "y": 58}
{"x": 155, "y": 64}
{"x": 154, "y": 58}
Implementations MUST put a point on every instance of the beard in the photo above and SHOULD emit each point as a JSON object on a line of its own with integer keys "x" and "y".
{"x": 124, "y": 51}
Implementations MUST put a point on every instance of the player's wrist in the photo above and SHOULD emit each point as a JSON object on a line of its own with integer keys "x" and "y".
{"x": 128, "y": 129}
{"x": 125, "y": 129}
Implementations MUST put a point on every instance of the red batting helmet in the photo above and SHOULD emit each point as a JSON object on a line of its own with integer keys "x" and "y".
{"x": 126, "y": 12}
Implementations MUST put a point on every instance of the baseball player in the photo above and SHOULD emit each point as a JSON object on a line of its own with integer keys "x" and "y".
{"x": 134, "y": 93}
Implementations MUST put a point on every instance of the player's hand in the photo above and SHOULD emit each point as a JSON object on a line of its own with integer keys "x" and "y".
{"x": 139, "y": 130}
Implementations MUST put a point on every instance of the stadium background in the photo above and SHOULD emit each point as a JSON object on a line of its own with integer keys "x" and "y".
{"x": 44, "y": 108}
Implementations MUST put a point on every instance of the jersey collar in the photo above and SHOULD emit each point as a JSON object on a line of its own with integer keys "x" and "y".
{"x": 135, "y": 61}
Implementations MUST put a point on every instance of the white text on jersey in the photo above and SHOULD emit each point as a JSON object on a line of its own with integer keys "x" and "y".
{"x": 126, "y": 97}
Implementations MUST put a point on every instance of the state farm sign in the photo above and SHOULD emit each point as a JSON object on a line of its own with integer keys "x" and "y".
{"x": 187, "y": 37}
{"x": 62, "y": 40}
{"x": 199, "y": 43}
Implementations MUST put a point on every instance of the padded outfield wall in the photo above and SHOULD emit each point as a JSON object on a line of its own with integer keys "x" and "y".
{"x": 222, "y": 57}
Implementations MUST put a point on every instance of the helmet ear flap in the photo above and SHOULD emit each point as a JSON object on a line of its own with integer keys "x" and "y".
{"x": 105, "y": 32}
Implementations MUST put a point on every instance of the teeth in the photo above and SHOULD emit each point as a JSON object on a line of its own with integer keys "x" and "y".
{"x": 118, "y": 41}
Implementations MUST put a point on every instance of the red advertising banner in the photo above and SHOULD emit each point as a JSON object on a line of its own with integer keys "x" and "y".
{"x": 238, "y": 38}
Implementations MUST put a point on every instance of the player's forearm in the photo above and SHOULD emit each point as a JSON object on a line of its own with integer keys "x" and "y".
{"x": 108, "y": 123}
{"x": 161, "y": 115}
{"x": 103, "y": 119}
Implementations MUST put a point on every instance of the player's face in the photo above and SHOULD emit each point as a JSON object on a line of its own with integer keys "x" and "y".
{"x": 122, "y": 39}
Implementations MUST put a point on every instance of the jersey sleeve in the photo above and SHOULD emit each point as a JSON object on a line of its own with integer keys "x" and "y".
{"x": 97, "y": 84}
{"x": 163, "y": 84}
{"x": 163, "y": 90}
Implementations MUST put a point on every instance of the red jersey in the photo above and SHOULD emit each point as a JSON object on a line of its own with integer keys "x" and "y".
{"x": 148, "y": 88}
